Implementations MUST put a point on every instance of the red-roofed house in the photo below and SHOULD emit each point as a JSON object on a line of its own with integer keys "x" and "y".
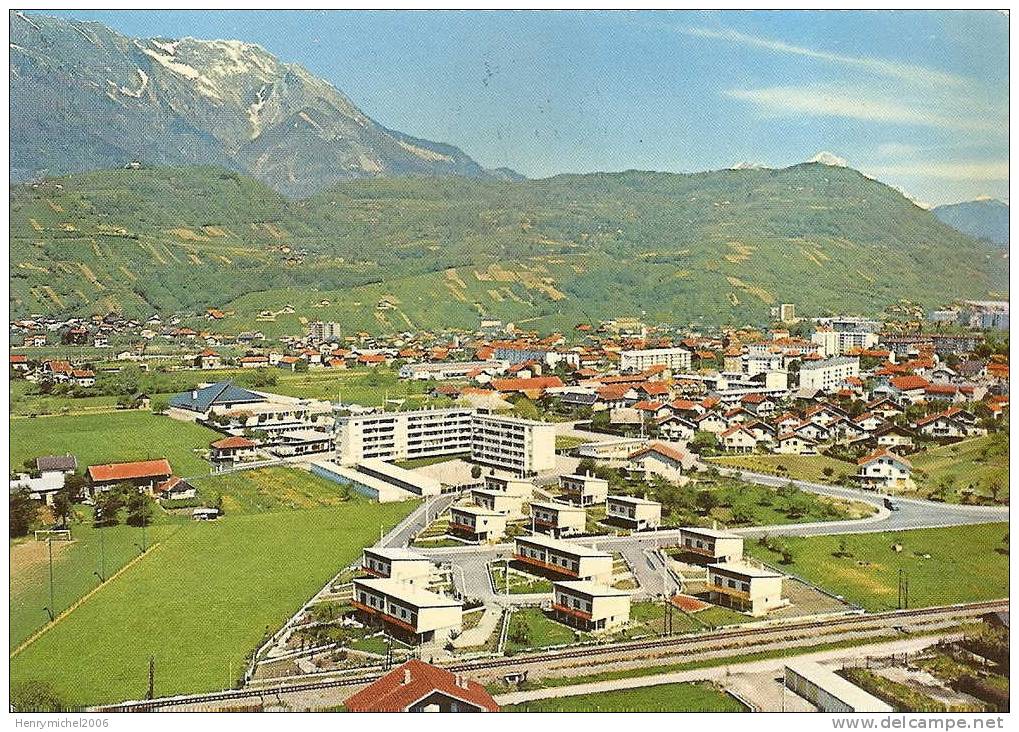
{"x": 173, "y": 489}
{"x": 417, "y": 686}
{"x": 532, "y": 388}
{"x": 19, "y": 362}
{"x": 909, "y": 388}
{"x": 208, "y": 359}
{"x": 661, "y": 459}
{"x": 738, "y": 439}
{"x": 232, "y": 449}
{"x": 143, "y": 474}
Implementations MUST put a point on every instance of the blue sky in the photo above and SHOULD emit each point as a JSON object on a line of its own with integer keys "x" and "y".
{"x": 918, "y": 100}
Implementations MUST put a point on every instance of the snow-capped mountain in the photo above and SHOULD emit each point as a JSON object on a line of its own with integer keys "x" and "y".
{"x": 826, "y": 158}
{"x": 85, "y": 97}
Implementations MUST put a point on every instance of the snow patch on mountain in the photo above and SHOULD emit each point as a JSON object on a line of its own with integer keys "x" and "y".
{"x": 203, "y": 84}
{"x": 826, "y": 158}
{"x": 137, "y": 93}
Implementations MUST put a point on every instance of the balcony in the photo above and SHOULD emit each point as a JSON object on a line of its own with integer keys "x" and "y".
{"x": 384, "y": 616}
{"x": 730, "y": 591}
{"x": 545, "y": 565}
{"x": 580, "y": 614}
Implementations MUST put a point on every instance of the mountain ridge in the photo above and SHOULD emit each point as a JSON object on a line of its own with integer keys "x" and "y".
{"x": 381, "y": 253}
{"x": 982, "y": 218}
{"x": 85, "y": 97}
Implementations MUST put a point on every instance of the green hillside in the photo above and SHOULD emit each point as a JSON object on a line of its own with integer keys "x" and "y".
{"x": 394, "y": 254}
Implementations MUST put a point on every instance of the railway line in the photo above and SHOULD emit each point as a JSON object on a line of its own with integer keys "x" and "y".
{"x": 662, "y": 646}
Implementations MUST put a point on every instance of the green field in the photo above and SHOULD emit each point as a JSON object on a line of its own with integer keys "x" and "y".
{"x": 975, "y": 464}
{"x": 116, "y": 437}
{"x": 797, "y": 467}
{"x": 943, "y": 566}
{"x": 530, "y": 628}
{"x": 696, "y": 697}
{"x": 92, "y": 550}
{"x": 199, "y": 603}
{"x": 271, "y": 489}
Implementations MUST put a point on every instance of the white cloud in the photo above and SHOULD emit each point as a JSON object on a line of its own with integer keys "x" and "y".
{"x": 897, "y": 149}
{"x": 848, "y": 103}
{"x": 907, "y": 72}
{"x": 971, "y": 170}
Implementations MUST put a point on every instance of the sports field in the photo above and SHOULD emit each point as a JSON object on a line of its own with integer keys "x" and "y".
{"x": 942, "y": 566}
{"x": 696, "y": 697}
{"x": 199, "y": 603}
{"x": 115, "y": 437}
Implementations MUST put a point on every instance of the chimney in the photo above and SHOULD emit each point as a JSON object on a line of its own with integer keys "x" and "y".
{"x": 406, "y": 676}
{"x": 461, "y": 681}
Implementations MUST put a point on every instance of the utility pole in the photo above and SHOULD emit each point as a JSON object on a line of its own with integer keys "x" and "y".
{"x": 102, "y": 555}
{"x": 49, "y": 549}
{"x": 152, "y": 678}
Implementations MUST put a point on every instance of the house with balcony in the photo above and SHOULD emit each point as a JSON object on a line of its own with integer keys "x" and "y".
{"x": 405, "y": 610}
{"x": 634, "y": 513}
{"x": 710, "y": 545}
{"x": 589, "y": 606}
{"x": 398, "y": 564}
{"x": 557, "y": 519}
{"x": 563, "y": 559}
{"x": 884, "y": 470}
{"x": 476, "y": 524}
{"x": 507, "y": 504}
{"x": 583, "y": 490}
{"x": 746, "y": 588}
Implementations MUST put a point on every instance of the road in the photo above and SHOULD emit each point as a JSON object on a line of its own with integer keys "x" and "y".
{"x": 720, "y": 674}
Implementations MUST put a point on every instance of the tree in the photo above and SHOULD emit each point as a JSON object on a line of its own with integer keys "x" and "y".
{"x": 995, "y": 488}
{"x": 23, "y": 511}
{"x": 62, "y": 506}
{"x": 476, "y": 471}
{"x": 139, "y": 509}
{"x": 75, "y": 485}
{"x": 828, "y": 471}
{"x": 787, "y": 555}
{"x": 706, "y": 500}
{"x": 586, "y": 466}
{"x": 106, "y": 505}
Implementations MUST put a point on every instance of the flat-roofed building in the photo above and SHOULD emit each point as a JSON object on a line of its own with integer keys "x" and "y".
{"x": 674, "y": 359}
{"x": 562, "y": 558}
{"x": 828, "y": 691}
{"x": 637, "y": 513}
{"x": 476, "y": 524}
{"x": 508, "y": 484}
{"x": 829, "y": 374}
{"x": 618, "y": 448}
{"x": 367, "y": 485}
{"x": 408, "y": 480}
{"x": 446, "y": 371}
{"x": 557, "y": 519}
{"x": 590, "y": 606}
{"x": 507, "y": 504}
{"x": 520, "y": 446}
{"x": 408, "y": 611}
{"x": 398, "y": 564}
{"x": 743, "y": 587}
{"x": 403, "y": 435}
{"x": 712, "y": 545}
{"x": 583, "y": 490}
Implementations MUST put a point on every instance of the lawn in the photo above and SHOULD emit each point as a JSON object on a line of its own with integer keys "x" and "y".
{"x": 519, "y": 582}
{"x": 424, "y": 462}
{"x": 199, "y": 603}
{"x": 975, "y": 464}
{"x": 74, "y": 564}
{"x": 568, "y": 442}
{"x": 696, "y": 697}
{"x": 530, "y": 628}
{"x": 797, "y": 467}
{"x": 115, "y": 437}
{"x": 272, "y": 489}
{"x": 943, "y": 566}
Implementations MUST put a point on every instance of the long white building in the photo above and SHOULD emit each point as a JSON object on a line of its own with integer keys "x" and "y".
{"x": 520, "y": 446}
{"x": 674, "y": 359}
{"x": 829, "y": 374}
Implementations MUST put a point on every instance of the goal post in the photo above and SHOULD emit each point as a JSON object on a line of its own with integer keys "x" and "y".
{"x": 53, "y": 534}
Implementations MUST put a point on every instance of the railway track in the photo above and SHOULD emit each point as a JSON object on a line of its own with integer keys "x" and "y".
{"x": 890, "y": 618}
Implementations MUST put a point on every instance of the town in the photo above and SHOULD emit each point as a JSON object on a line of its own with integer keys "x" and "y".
{"x": 621, "y": 486}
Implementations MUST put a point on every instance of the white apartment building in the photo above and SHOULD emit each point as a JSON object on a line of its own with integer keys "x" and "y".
{"x": 520, "y": 446}
{"x": 829, "y": 374}
{"x": 711, "y": 544}
{"x": 447, "y": 371}
{"x": 839, "y": 342}
{"x": 674, "y": 359}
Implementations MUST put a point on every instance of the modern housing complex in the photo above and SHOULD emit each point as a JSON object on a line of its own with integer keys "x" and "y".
{"x": 520, "y": 446}
{"x": 571, "y": 561}
{"x": 590, "y": 606}
{"x": 744, "y": 587}
{"x": 829, "y": 374}
{"x": 407, "y": 610}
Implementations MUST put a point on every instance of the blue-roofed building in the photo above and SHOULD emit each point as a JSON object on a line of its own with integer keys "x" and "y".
{"x": 221, "y": 395}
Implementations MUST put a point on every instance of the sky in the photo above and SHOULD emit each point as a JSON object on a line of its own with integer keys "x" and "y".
{"x": 918, "y": 100}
